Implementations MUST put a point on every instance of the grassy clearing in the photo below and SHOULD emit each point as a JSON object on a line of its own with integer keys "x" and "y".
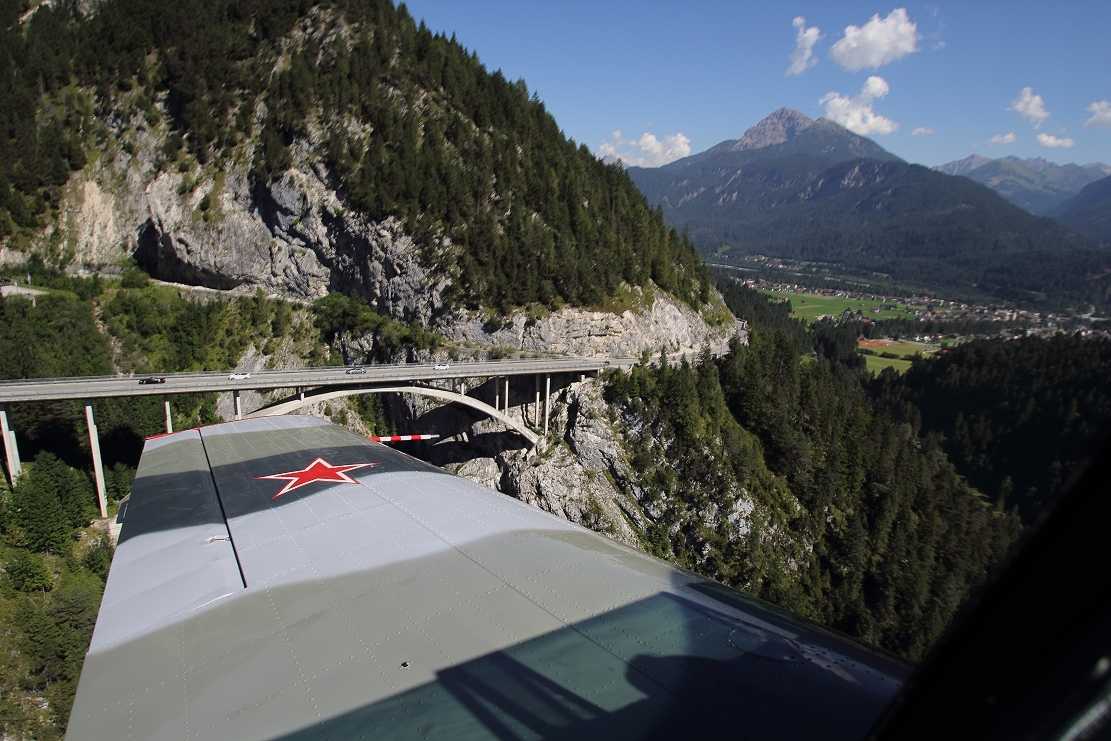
{"x": 906, "y": 350}
{"x": 876, "y": 364}
{"x": 628, "y": 298}
{"x": 809, "y": 306}
{"x": 902, "y": 348}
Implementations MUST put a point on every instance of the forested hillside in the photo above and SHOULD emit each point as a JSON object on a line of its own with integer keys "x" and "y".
{"x": 407, "y": 124}
{"x": 1015, "y": 417}
{"x": 873, "y": 530}
{"x": 1089, "y": 211}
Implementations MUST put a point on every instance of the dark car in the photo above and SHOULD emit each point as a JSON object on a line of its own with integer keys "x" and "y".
{"x": 152, "y": 379}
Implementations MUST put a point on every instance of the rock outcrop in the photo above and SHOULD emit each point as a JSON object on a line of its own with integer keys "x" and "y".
{"x": 662, "y": 322}
{"x": 210, "y": 228}
{"x": 580, "y": 472}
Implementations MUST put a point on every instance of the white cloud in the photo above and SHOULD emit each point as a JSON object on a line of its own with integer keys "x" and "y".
{"x": 923, "y": 131}
{"x": 1001, "y": 139}
{"x": 1101, "y": 115}
{"x": 935, "y": 11}
{"x": 803, "y": 55}
{"x": 1052, "y": 142}
{"x": 878, "y": 42}
{"x": 1030, "y": 106}
{"x": 647, "y": 151}
{"x": 856, "y": 113}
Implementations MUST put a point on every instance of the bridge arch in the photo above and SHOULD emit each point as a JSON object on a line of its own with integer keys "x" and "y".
{"x": 293, "y": 403}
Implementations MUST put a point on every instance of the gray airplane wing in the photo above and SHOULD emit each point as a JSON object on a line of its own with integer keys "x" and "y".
{"x": 282, "y": 578}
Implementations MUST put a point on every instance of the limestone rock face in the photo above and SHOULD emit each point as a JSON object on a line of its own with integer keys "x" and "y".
{"x": 667, "y": 323}
{"x": 556, "y": 483}
{"x": 780, "y": 126}
{"x": 210, "y": 228}
{"x": 296, "y": 238}
{"x": 580, "y": 472}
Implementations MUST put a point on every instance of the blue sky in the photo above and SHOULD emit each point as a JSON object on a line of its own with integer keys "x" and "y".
{"x": 695, "y": 73}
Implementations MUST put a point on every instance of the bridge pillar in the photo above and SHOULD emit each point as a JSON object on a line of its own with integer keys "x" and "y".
{"x": 98, "y": 466}
{"x": 536, "y": 406}
{"x": 169, "y": 418}
{"x": 238, "y": 404}
{"x": 11, "y": 451}
{"x": 497, "y": 395}
{"x": 507, "y": 394}
{"x": 547, "y": 400}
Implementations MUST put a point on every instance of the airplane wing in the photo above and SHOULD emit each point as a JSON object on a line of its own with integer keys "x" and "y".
{"x": 282, "y": 578}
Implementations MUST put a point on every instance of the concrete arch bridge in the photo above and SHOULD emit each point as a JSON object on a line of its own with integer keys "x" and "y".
{"x": 293, "y": 403}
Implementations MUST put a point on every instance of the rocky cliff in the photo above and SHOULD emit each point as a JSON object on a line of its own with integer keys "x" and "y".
{"x": 203, "y": 226}
{"x": 298, "y": 237}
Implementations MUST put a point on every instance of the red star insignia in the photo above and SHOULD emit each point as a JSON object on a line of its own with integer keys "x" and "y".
{"x": 318, "y": 470}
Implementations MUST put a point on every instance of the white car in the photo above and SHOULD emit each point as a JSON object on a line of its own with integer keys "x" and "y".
{"x": 239, "y": 376}
{"x": 441, "y": 366}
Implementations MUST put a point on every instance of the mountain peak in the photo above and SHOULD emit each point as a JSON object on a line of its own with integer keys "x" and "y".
{"x": 787, "y": 133}
{"x": 1037, "y": 164}
{"x": 962, "y": 167}
{"x": 777, "y": 128}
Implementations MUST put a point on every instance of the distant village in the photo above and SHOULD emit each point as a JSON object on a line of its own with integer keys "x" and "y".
{"x": 1013, "y": 323}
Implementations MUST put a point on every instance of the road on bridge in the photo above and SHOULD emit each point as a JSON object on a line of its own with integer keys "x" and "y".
{"x": 334, "y": 380}
{"x": 97, "y": 387}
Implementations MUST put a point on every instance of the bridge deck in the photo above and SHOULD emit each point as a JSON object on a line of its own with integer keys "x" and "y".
{"x": 334, "y": 381}
{"x": 95, "y": 387}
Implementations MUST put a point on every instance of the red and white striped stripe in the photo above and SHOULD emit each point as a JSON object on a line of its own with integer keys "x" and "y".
{"x": 400, "y": 438}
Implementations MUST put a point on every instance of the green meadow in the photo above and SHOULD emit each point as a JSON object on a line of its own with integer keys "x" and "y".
{"x": 810, "y": 306}
{"x": 906, "y": 351}
{"x": 876, "y": 364}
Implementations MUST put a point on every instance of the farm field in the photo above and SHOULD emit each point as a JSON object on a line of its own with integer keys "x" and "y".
{"x": 876, "y": 364}
{"x": 904, "y": 349}
{"x": 810, "y": 306}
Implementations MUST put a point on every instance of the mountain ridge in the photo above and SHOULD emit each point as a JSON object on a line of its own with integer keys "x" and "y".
{"x": 1089, "y": 211}
{"x": 808, "y": 194}
{"x": 786, "y": 132}
{"x": 1033, "y": 184}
